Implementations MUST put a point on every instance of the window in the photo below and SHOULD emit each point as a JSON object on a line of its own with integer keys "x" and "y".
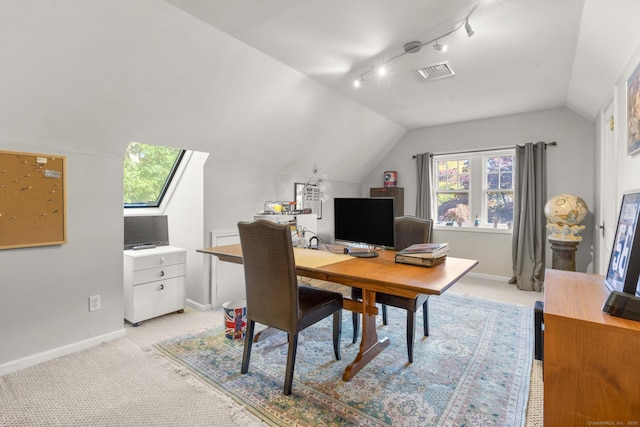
{"x": 148, "y": 171}
{"x": 498, "y": 189}
{"x": 454, "y": 182}
{"x": 474, "y": 189}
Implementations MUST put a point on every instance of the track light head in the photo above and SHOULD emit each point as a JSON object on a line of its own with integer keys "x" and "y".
{"x": 468, "y": 28}
{"x": 440, "y": 47}
{"x": 358, "y": 82}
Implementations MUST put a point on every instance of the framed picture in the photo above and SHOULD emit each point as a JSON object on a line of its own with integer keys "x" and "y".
{"x": 308, "y": 197}
{"x": 633, "y": 113}
{"x": 624, "y": 264}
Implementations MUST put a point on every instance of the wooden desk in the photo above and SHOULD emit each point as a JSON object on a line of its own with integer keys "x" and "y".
{"x": 371, "y": 275}
{"x": 591, "y": 370}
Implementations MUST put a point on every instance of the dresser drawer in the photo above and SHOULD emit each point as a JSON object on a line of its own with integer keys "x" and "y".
{"x": 157, "y": 298}
{"x": 158, "y": 273}
{"x": 158, "y": 260}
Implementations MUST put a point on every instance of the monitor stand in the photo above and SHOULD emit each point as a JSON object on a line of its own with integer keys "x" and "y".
{"x": 623, "y": 305}
{"x": 363, "y": 254}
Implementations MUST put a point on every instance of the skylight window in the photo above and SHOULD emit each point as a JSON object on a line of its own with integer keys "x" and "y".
{"x": 148, "y": 171}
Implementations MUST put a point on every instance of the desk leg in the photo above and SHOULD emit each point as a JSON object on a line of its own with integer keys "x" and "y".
{"x": 370, "y": 345}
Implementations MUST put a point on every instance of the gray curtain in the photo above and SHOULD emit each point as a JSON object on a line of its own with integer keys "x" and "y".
{"x": 529, "y": 223}
{"x": 423, "y": 200}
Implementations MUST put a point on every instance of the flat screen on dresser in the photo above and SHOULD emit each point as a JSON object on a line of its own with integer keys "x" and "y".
{"x": 145, "y": 231}
{"x": 624, "y": 264}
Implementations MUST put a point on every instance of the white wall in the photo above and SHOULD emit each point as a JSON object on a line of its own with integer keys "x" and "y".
{"x": 626, "y": 168}
{"x": 185, "y": 212}
{"x": 570, "y": 170}
{"x": 83, "y": 79}
{"x": 45, "y": 291}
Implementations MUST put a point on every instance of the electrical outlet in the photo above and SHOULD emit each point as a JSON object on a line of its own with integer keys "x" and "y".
{"x": 94, "y": 303}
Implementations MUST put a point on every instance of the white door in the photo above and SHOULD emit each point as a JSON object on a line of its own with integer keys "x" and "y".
{"x": 606, "y": 215}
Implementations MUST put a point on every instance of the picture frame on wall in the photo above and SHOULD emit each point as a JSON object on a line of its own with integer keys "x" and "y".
{"x": 633, "y": 112}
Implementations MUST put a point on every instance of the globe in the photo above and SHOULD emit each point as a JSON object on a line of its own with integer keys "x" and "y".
{"x": 566, "y": 209}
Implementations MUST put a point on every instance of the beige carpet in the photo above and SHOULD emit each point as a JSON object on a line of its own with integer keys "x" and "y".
{"x": 127, "y": 383}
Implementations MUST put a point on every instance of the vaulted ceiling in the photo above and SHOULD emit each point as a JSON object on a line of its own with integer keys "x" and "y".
{"x": 525, "y": 55}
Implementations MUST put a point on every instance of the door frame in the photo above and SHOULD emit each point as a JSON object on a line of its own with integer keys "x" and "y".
{"x": 607, "y": 181}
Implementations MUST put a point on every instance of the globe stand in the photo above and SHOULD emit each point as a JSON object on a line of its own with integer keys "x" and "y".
{"x": 564, "y": 254}
{"x": 564, "y": 213}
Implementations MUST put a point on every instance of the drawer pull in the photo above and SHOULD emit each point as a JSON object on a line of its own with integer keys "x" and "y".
{"x": 161, "y": 260}
{"x": 161, "y": 273}
{"x": 161, "y": 287}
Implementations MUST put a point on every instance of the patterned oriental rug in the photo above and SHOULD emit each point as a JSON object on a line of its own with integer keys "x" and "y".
{"x": 473, "y": 370}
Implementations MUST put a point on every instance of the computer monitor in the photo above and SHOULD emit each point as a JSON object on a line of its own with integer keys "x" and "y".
{"x": 367, "y": 220}
{"x": 145, "y": 231}
{"x": 624, "y": 265}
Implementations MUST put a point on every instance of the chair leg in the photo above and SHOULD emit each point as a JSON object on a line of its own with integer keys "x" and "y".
{"x": 248, "y": 342}
{"x": 291, "y": 361}
{"x": 425, "y": 317}
{"x": 384, "y": 314}
{"x": 337, "y": 332}
{"x": 411, "y": 321}
{"x": 356, "y": 325}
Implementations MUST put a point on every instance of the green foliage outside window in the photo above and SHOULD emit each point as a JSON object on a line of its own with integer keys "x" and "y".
{"x": 454, "y": 177}
{"x": 148, "y": 170}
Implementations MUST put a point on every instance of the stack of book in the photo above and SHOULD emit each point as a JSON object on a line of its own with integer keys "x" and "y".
{"x": 424, "y": 254}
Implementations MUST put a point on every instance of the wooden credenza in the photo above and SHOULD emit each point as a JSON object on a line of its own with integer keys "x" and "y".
{"x": 591, "y": 359}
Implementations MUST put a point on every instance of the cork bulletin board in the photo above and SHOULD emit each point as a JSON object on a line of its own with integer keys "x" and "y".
{"x": 32, "y": 200}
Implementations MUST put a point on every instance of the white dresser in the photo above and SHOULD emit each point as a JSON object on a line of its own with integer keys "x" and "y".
{"x": 154, "y": 282}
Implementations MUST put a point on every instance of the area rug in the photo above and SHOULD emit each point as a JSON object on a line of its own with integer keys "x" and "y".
{"x": 473, "y": 370}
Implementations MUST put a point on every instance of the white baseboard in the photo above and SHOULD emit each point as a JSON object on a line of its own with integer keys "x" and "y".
{"x": 489, "y": 277}
{"x": 197, "y": 305}
{"x": 35, "y": 359}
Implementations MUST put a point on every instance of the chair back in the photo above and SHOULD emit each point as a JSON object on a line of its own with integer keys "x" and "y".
{"x": 269, "y": 273}
{"x": 410, "y": 230}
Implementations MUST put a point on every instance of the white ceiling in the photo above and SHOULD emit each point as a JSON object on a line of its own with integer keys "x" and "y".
{"x": 525, "y": 55}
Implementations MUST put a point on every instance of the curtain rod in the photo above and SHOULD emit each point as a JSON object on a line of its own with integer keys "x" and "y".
{"x": 546, "y": 144}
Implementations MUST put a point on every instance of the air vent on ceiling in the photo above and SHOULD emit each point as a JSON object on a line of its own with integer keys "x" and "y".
{"x": 436, "y": 71}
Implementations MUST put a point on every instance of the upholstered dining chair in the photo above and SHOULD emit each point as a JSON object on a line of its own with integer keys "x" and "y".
{"x": 274, "y": 296}
{"x": 408, "y": 231}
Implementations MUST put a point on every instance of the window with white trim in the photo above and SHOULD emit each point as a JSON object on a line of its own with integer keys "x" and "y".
{"x": 474, "y": 189}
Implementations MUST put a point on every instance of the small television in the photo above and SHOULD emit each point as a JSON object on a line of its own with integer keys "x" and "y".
{"x": 142, "y": 232}
{"x": 624, "y": 265}
{"x": 364, "y": 220}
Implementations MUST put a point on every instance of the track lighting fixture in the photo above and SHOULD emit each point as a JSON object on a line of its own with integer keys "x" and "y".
{"x": 468, "y": 28}
{"x": 440, "y": 47}
{"x": 416, "y": 46}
